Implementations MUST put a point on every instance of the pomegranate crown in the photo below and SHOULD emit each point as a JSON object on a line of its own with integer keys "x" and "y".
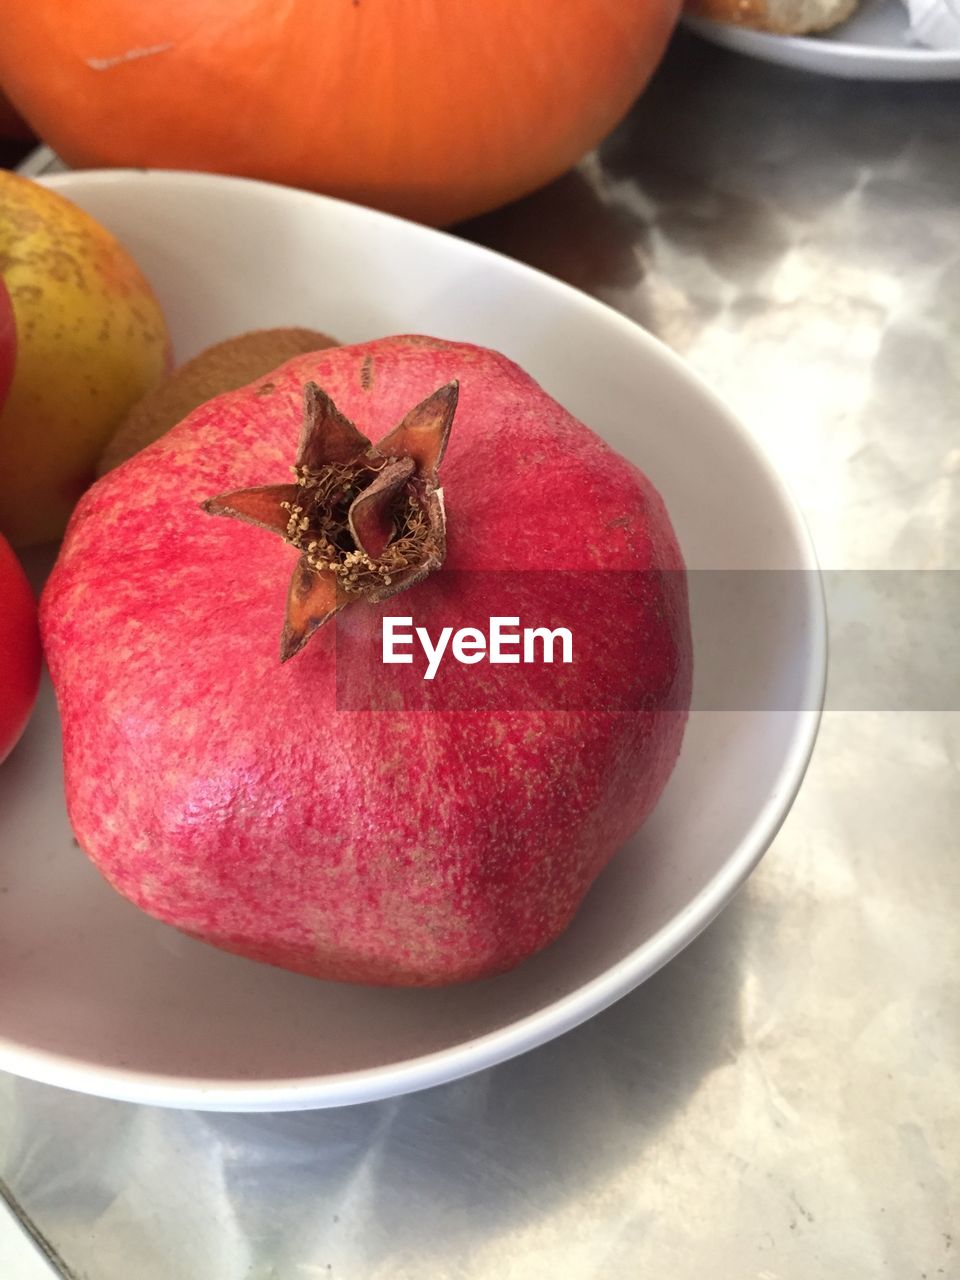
{"x": 368, "y": 520}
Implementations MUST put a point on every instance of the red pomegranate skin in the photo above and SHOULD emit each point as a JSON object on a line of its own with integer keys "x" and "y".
{"x": 226, "y": 794}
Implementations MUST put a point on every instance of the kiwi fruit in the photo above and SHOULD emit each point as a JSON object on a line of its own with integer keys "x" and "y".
{"x": 222, "y": 367}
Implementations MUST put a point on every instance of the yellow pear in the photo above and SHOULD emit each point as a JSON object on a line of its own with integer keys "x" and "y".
{"x": 84, "y": 338}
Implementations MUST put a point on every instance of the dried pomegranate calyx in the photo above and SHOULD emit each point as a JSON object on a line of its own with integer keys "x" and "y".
{"x": 368, "y": 520}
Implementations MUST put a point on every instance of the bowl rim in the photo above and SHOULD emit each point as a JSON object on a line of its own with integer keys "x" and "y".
{"x": 552, "y": 1019}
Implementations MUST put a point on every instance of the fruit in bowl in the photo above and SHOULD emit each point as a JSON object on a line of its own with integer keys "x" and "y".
{"x": 180, "y": 1014}
{"x": 213, "y": 771}
{"x": 225, "y": 366}
{"x": 19, "y": 650}
{"x": 81, "y": 338}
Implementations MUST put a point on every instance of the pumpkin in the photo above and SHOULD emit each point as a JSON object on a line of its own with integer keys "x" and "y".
{"x": 434, "y": 109}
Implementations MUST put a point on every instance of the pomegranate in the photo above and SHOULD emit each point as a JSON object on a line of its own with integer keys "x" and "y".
{"x": 239, "y": 761}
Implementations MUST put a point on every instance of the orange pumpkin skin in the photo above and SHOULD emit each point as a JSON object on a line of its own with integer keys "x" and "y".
{"x": 434, "y": 109}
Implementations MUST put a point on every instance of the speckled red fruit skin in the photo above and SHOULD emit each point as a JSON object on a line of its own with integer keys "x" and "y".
{"x": 19, "y": 649}
{"x": 227, "y": 795}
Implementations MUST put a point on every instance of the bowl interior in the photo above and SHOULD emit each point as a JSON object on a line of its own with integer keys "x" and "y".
{"x": 97, "y": 996}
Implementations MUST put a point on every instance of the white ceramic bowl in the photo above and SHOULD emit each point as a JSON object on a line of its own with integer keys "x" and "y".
{"x": 97, "y": 997}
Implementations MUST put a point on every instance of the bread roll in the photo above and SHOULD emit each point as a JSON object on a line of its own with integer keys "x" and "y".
{"x": 781, "y": 17}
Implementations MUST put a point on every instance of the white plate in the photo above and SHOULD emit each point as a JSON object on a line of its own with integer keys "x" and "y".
{"x": 873, "y": 45}
{"x": 96, "y": 996}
